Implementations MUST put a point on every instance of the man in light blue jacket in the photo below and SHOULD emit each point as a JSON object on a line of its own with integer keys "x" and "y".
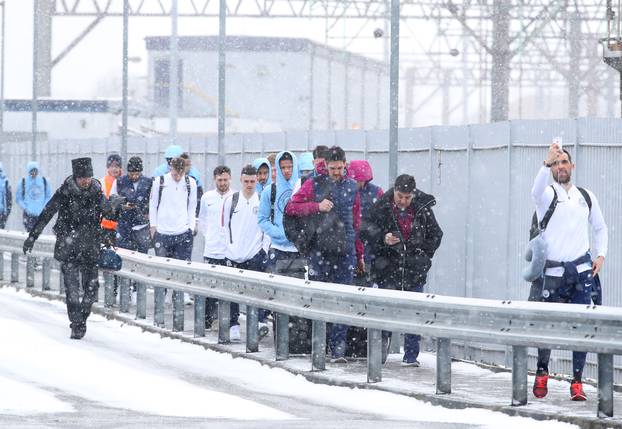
{"x": 6, "y": 199}
{"x": 284, "y": 258}
{"x": 32, "y": 194}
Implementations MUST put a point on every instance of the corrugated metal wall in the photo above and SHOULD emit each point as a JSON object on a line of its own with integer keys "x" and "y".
{"x": 481, "y": 176}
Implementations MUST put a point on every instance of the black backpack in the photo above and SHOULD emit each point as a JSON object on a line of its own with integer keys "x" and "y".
{"x": 536, "y": 227}
{"x": 188, "y": 189}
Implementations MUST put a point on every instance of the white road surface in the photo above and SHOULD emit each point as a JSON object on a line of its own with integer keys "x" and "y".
{"x": 119, "y": 376}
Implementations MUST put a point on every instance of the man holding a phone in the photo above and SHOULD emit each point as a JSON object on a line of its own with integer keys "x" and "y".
{"x": 402, "y": 235}
{"x": 133, "y": 227}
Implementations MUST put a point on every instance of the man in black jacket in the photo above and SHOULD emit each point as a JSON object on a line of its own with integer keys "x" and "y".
{"x": 81, "y": 204}
{"x": 402, "y": 235}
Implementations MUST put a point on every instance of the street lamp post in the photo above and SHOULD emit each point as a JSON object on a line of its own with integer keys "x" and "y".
{"x": 2, "y": 5}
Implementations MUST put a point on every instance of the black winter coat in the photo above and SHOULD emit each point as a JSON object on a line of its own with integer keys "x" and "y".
{"x": 78, "y": 231}
{"x": 404, "y": 265}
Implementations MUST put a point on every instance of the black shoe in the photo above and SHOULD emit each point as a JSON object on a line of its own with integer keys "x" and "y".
{"x": 78, "y": 330}
{"x": 386, "y": 345}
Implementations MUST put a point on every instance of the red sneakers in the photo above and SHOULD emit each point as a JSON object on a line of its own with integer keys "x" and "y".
{"x": 539, "y": 386}
{"x": 576, "y": 391}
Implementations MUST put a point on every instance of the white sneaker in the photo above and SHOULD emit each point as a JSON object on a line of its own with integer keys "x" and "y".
{"x": 234, "y": 334}
{"x": 188, "y": 299}
{"x": 133, "y": 297}
{"x": 168, "y": 298}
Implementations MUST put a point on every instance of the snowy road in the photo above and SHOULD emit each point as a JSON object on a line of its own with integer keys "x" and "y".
{"x": 119, "y": 376}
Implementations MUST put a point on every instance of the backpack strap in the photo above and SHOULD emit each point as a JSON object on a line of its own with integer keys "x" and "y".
{"x": 587, "y": 197}
{"x": 160, "y": 190}
{"x": 549, "y": 212}
{"x": 234, "y": 203}
{"x": 23, "y": 188}
{"x": 45, "y": 187}
{"x": 187, "y": 189}
{"x": 272, "y": 200}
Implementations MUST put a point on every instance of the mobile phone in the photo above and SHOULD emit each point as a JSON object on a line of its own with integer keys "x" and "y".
{"x": 558, "y": 141}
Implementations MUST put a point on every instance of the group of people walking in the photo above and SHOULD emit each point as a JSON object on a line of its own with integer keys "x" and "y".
{"x": 316, "y": 214}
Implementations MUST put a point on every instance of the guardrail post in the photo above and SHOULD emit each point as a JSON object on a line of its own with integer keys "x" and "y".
{"x": 158, "y": 306}
{"x": 252, "y": 334}
{"x": 374, "y": 355}
{"x": 141, "y": 301}
{"x": 1, "y": 265}
{"x": 519, "y": 375}
{"x": 318, "y": 346}
{"x": 30, "y": 271}
{"x": 605, "y": 385}
{"x": 224, "y": 319}
{"x": 109, "y": 299}
{"x": 178, "y": 311}
{"x": 199, "y": 316}
{"x": 46, "y": 271}
{"x": 14, "y": 267}
{"x": 282, "y": 336}
{"x": 443, "y": 366}
{"x": 124, "y": 294}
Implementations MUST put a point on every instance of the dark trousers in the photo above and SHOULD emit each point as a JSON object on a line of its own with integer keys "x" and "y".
{"x": 3, "y": 218}
{"x": 334, "y": 269}
{"x": 211, "y": 304}
{"x": 137, "y": 240}
{"x": 75, "y": 277}
{"x": 256, "y": 263}
{"x": 411, "y": 341}
{"x": 29, "y": 221}
{"x": 289, "y": 264}
{"x": 174, "y": 246}
{"x": 559, "y": 289}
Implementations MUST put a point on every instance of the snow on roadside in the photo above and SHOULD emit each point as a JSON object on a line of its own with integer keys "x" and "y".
{"x": 123, "y": 380}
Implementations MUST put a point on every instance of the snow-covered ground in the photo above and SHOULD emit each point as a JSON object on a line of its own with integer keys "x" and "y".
{"x": 46, "y": 377}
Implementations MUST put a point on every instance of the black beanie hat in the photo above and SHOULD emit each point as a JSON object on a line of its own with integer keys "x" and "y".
{"x": 134, "y": 164}
{"x": 82, "y": 167}
{"x": 113, "y": 158}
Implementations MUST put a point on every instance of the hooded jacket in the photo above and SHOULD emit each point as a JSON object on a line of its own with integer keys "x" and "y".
{"x": 33, "y": 194}
{"x": 284, "y": 188}
{"x": 78, "y": 231}
{"x": 6, "y": 199}
{"x": 305, "y": 162}
{"x": 406, "y": 264}
{"x": 258, "y": 163}
{"x": 361, "y": 171}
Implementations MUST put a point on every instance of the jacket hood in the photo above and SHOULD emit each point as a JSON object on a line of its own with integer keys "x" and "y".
{"x": 173, "y": 151}
{"x": 360, "y": 170}
{"x": 305, "y": 162}
{"x": 31, "y": 166}
{"x": 258, "y": 163}
{"x": 421, "y": 199}
{"x": 281, "y": 183}
{"x": 321, "y": 169}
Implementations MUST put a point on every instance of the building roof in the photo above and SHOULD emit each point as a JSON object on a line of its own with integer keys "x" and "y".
{"x": 255, "y": 44}
{"x": 53, "y": 105}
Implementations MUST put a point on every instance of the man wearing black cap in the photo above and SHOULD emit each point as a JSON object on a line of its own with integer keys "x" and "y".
{"x": 80, "y": 204}
{"x": 133, "y": 226}
{"x": 402, "y": 235}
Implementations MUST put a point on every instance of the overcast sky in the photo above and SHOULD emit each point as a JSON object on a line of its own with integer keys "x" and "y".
{"x": 95, "y": 64}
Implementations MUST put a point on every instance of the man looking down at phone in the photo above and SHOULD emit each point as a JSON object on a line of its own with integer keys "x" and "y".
{"x": 402, "y": 235}
{"x": 133, "y": 226}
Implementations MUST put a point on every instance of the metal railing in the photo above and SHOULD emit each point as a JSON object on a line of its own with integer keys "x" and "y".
{"x": 518, "y": 324}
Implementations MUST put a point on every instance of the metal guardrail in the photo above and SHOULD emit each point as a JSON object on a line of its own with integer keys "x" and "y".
{"x": 519, "y": 324}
